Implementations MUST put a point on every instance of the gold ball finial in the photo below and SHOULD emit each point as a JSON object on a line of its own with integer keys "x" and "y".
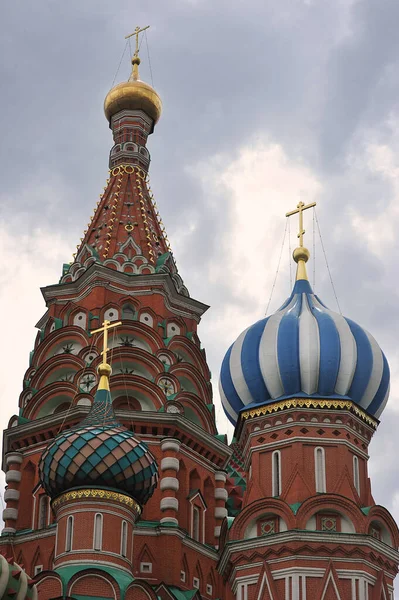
{"x": 301, "y": 254}
{"x": 136, "y": 60}
{"x": 104, "y": 369}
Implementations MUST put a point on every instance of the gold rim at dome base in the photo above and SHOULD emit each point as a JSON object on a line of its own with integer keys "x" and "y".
{"x": 307, "y": 403}
{"x": 97, "y": 494}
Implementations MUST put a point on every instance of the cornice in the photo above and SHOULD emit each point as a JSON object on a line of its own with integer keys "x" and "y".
{"x": 289, "y": 537}
{"x": 97, "y": 275}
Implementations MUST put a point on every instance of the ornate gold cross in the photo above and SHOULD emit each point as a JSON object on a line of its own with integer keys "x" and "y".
{"x": 136, "y": 33}
{"x": 299, "y": 209}
{"x": 106, "y": 326}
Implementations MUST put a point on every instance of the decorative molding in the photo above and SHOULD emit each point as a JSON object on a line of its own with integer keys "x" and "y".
{"x": 170, "y": 444}
{"x": 221, "y": 494}
{"x": 169, "y": 483}
{"x": 170, "y": 463}
{"x": 14, "y": 458}
{"x": 97, "y": 494}
{"x": 169, "y": 503}
{"x": 13, "y": 476}
{"x": 309, "y": 403}
{"x": 10, "y": 514}
{"x": 10, "y": 494}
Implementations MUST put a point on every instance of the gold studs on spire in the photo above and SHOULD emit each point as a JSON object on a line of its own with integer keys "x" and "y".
{"x": 301, "y": 254}
{"x": 136, "y": 59}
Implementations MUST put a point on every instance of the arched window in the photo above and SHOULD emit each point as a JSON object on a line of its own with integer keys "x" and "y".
{"x": 196, "y": 523}
{"x": 69, "y": 534}
{"x": 276, "y": 473}
{"x": 127, "y": 312}
{"x": 124, "y": 539}
{"x": 320, "y": 470}
{"x": 98, "y": 531}
{"x": 43, "y": 510}
{"x": 356, "y": 478}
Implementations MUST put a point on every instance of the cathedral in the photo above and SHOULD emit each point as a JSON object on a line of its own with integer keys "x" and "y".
{"x": 119, "y": 485}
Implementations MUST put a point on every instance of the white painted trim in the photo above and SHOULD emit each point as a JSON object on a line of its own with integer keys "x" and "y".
{"x": 356, "y": 474}
{"x": 10, "y": 494}
{"x": 124, "y": 538}
{"x": 320, "y": 469}
{"x": 98, "y": 531}
{"x": 169, "y": 503}
{"x": 276, "y": 477}
{"x": 221, "y": 494}
{"x": 220, "y": 512}
{"x": 69, "y": 533}
{"x": 169, "y": 483}
{"x": 169, "y": 462}
{"x": 13, "y": 476}
{"x": 10, "y": 513}
{"x": 170, "y": 444}
{"x": 14, "y": 458}
{"x": 220, "y": 476}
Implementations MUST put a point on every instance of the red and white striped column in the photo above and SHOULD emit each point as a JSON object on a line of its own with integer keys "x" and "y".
{"x": 220, "y": 502}
{"x": 11, "y": 495}
{"x": 169, "y": 483}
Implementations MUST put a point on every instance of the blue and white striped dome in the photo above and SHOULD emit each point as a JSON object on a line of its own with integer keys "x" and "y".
{"x": 304, "y": 350}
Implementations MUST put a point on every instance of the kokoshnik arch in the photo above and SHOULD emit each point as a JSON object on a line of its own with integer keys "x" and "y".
{"x": 119, "y": 485}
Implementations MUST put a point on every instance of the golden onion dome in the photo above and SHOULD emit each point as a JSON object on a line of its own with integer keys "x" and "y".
{"x": 133, "y": 95}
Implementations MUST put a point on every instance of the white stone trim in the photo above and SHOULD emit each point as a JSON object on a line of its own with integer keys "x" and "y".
{"x": 13, "y": 476}
{"x": 10, "y": 513}
{"x": 169, "y": 483}
{"x": 217, "y": 531}
{"x": 169, "y": 503}
{"x": 9, "y": 530}
{"x": 170, "y": 444}
{"x": 169, "y": 462}
{"x": 221, "y": 494}
{"x": 169, "y": 520}
{"x": 11, "y": 495}
{"x": 220, "y": 512}
{"x": 14, "y": 458}
{"x": 220, "y": 476}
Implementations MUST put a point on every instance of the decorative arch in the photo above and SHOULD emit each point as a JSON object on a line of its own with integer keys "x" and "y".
{"x": 100, "y": 582}
{"x": 380, "y": 514}
{"x": 333, "y": 503}
{"x": 140, "y": 590}
{"x": 257, "y": 509}
{"x": 183, "y": 346}
{"x": 189, "y": 376}
{"x": 56, "y": 340}
{"x": 58, "y": 393}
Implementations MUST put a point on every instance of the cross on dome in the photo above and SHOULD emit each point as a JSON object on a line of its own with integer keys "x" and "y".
{"x": 104, "y": 369}
{"x": 301, "y": 254}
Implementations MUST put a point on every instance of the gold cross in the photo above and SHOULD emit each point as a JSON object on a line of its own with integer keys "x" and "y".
{"x": 136, "y": 33}
{"x": 106, "y": 326}
{"x": 299, "y": 209}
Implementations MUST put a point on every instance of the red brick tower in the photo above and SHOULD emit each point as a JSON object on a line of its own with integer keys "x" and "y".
{"x": 305, "y": 388}
{"x": 160, "y": 390}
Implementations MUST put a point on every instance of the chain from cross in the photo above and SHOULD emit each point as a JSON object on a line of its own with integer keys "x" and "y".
{"x": 299, "y": 209}
{"x": 136, "y": 33}
{"x": 106, "y": 326}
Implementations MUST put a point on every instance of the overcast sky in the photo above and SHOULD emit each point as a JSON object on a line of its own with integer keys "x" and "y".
{"x": 265, "y": 103}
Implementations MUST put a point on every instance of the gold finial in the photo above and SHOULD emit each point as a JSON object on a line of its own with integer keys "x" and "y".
{"x": 136, "y": 58}
{"x": 301, "y": 254}
{"x": 104, "y": 369}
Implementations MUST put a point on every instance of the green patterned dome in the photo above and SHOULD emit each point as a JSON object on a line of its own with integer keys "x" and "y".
{"x": 99, "y": 452}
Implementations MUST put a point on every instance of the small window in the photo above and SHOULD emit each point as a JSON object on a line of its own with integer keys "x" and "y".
{"x": 276, "y": 473}
{"x": 80, "y": 320}
{"x": 43, "y": 512}
{"x": 38, "y": 569}
{"x": 124, "y": 539}
{"x": 196, "y": 523}
{"x": 98, "y": 531}
{"x": 320, "y": 470}
{"x": 172, "y": 329}
{"x": 356, "y": 478}
{"x": 209, "y": 589}
{"x": 111, "y": 315}
{"x": 147, "y": 319}
{"x": 183, "y": 576}
{"x": 196, "y": 582}
{"x": 69, "y": 534}
{"x": 145, "y": 567}
{"x": 128, "y": 312}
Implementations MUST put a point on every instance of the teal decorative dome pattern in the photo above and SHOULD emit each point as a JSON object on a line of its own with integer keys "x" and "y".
{"x": 101, "y": 452}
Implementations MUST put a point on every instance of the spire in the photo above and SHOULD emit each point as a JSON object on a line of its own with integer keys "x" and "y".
{"x": 301, "y": 254}
{"x": 126, "y": 232}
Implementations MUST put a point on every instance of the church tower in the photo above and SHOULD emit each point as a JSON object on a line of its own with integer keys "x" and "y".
{"x": 305, "y": 388}
{"x": 118, "y": 484}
